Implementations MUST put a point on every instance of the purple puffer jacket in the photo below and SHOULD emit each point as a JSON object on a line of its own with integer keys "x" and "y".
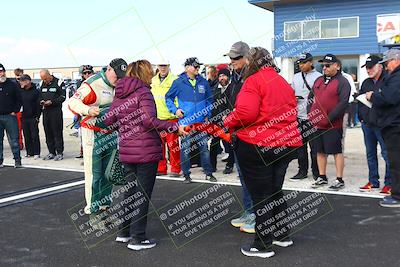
{"x": 133, "y": 113}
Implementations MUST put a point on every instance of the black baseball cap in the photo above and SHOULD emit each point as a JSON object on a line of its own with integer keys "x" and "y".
{"x": 119, "y": 65}
{"x": 25, "y": 77}
{"x": 303, "y": 58}
{"x": 329, "y": 58}
{"x": 2, "y": 67}
{"x": 371, "y": 61}
{"x": 192, "y": 61}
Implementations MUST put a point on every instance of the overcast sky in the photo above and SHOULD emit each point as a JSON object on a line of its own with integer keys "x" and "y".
{"x": 44, "y": 33}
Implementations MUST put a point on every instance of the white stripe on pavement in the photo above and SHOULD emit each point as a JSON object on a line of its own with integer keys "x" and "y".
{"x": 40, "y": 191}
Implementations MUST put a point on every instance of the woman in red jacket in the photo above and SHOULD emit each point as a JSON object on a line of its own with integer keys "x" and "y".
{"x": 133, "y": 113}
{"x": 266, "y": 134}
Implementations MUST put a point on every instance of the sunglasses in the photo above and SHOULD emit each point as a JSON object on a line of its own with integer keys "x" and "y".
{"x": 236, "y": 58}
{"x": 326, "y": 65}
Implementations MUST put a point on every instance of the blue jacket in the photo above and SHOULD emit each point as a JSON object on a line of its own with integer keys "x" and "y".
{"x": 196, "y": 102}
{"x": 386, "y": 101}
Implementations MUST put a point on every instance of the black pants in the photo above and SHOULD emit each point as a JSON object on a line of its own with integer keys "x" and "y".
{"x": 215, "y": 149}
{"x": 391, "y": 136}
{"x": 263, "y": 173}
{"x": 307, "y": 133}
{"x": 31, "y": 135}
{"x": 351, "y": 120}
{"x": 53, "y": 128}
{"x": 228, "y": 149}
{"x": 145, "y": 175}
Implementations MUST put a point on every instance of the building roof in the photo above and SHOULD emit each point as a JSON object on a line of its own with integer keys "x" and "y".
{"x": 269, "y": 4}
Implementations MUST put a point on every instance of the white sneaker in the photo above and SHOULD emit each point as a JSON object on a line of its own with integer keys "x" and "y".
{"x": 283, "y": 244}
{"x": 35, "y": 157}
{"x": 254, "y": 252}
{"x": 123, "y": 239}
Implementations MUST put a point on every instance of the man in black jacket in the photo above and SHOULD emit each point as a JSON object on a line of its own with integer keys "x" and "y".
{"x": 220, "y": 110}
{"x": 371, "y": 131}
{"x": 10, "y": 104}
{"x": 386, "y": 100}
{"x": 31, "y": 110}
{"x": 51, "y": 98}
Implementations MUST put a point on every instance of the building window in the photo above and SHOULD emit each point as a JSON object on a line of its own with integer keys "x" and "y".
{"x": 293, "y": 30}
{"x": 311, "y": 29}
{"x": 329, "y": 28}
{"x": 348, "y": 27}
{"x": 321, "y": 29}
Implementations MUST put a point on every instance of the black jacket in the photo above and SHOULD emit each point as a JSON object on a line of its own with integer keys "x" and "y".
{"x": 10, "y": 97}
{"x": 221, "y": 105}
{"x": 387, "y": 100}
{"x": 31, "y": 107}
{"x": 365, "y": 114}
{"x": 235, "y": 86}
{"x": 54, "y": 92}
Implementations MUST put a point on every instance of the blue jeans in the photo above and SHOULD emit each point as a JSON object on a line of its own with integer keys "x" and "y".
{"x": 10, "y": 124}
{"x": 246, "y": 198}
{"x": 372, "y": 137}
{"x": 190, "y": 142}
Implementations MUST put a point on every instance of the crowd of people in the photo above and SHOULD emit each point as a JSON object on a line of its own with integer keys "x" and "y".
{"x": 153, "y": 119}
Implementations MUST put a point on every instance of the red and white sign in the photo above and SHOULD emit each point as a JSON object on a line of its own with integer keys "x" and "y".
{"x": 387, "y": 26}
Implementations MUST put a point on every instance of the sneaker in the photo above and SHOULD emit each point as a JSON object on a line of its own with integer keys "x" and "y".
{"x": 18, "y": 163}
{"x": 299, "y": 176}
{"x": 27, "y": 156}
{"x": 225, "y": 157}
{"x": 249, "y": 227}
{"x": 141, "y": 244}
{"x": 282, "y": 243}
{"x": 79, "y": 157}
{"x": 390, "y": 202}
{"x": 368, "y": 187}
{"x": 58, "y": 157}
{"x": 250, "y": 251}
{"x": 49, "y": 156}
{"x": 211, "y": 178}
{"x": 123, "y": 239}
{"x": 35, "y": 157}
{"x": 336, "y": 185}
{"x": 386, "y": 190}
{"x": 187, "y": 180}
{"x": 319, "y": 182}
{"x": 228, "y": 170}
{"x": 242, "y": 220}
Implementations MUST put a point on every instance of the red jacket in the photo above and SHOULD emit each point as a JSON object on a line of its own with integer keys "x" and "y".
{"x": 331, "y": 98}
{"x": 266, "y": 111}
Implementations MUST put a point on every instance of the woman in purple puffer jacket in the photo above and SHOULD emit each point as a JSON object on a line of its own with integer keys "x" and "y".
{"x": 133, "y": 113}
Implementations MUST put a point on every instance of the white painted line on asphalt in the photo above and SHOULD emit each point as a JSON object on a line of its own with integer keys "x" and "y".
{"x": 46, "y": 168}
{"x": 40, "y": 191}
{"x": 341, "y": 193}
{"x": 227, "y": 183}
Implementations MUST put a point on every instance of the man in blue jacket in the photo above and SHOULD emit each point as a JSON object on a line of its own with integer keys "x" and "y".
{"x": 194, "y": 106}
{"x": 386, "y": 101}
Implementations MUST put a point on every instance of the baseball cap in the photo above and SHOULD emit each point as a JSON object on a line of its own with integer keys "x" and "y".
{"x": 2, "y": 67}
{"x": 192, "y": 61}
{"x": 329, "y": 58}
{"x": 238, "y": 49}
{"x": 371, "y": 61}
{"x": 305, "y": 57}
{"x": 25, "y": 77}
{"x": 162, "y": 62}
{"x": 119, "y": 65}
{"x": 392, "y": 53}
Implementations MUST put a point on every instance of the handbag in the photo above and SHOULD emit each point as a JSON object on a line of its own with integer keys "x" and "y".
{"x": 115, "y": 171}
